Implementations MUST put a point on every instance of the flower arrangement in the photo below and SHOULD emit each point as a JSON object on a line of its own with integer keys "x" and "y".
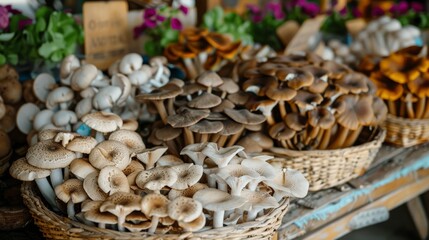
{"x": 50, "y": 37}
{"x": 162, "y": 26}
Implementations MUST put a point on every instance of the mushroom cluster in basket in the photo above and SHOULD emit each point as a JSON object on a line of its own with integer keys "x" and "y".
{"x": 120, "y": 184}
{"x": 402, "y": 81}
{"x": 84, "y": 89}
{"x": 310, "y": 103}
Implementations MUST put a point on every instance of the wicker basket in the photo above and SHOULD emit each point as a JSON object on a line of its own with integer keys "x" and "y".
{"x": 328, "y": 168}
{"x": 13, "y": 218}
{"x": 405, "y": 132}
{"x": 54, "y": 226}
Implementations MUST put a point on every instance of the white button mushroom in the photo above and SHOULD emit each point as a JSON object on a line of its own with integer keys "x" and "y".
{"x": 130, "y": 63}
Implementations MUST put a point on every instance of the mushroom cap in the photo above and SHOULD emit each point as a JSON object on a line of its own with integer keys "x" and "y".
{"x": 321, "y": 117}
{"x": 23, "y": 171}
{"x": 194, "y": 152}
{"x": 106, "y": 97}
{"x": 239, "y": 98}
{"x": 49, "y": 155}
{"x": 237, "y": 171}
{"x": 420, "y": 86}
{"x": 48, "y": 134}
{"x": 121, "y": 203}
{"x": 42, "y": 118}
{"x": 130, "y": 124}
{"x": 71, "y": 190}
{"x": 229, "y": 86}
{"x": 25, "y": 116}
{"x": 82, "y": 144}
{"x": 42, "y": 85}
{"x": 103, "y": 121}
{"x": 169, "y": 160}
{"x": 110, "y": 153}
{"x": 259, "y": 85}
{"x": 156, "y": 178}
{"x": 184, "y": 209}
{"x": 186, "y": 117}
{"x": 192, "y": 34}
{"x": 230, "y": 127}
{"x": 221, "y": 156}
{"x": 188, "y": 192}
{"x": 218, "y": 40}
{"x": 168, "y": 133}
{"x": 154, "y": 204}
{"x": 64, "y": 118}
{"x": 130, "y": 138}
{"x": 380, "y": 110}
{"x": 386, "y": 88}
{"x": 137, "y": 227}
{"x": 205, "y": 100}
{"x": 281, "y": 131}
{"x": 83, "y": 76}
{"x": 230, "y": 51}
{"x": 290, "y": 183}
{"x": 92, "y": 213}
{"x": 295, "y": 121}
{"x": 151, "y": 155}
{"x": 130, "y": 63}
{"x": 68, "y": 65}
{"x": 188, "y": 174}
{"x": 59, "y": 95}
{"x": 207, "y": 127}
{"x": 124, "y": 84}
{"x": 403, "y": 68}
{"x": 216, "y": 200}
{"x": 133, "y": 167}
{"x": 353, "y": 82}
{"x": 7, "y": 123}
{"x": 281, "y": 92}
{"x": 80, "y": 167}
{"x": 305, "y": 99}
{"x": 209, "y": 79}
{"x": 165, "y": 92}
{"x": 222, "y": 106}
{"x": 195, "y": 225}
{"x": 258, "y": 200}
{"x": 83, "y": 107}
{"x": 244, "y": 116}
{"x": 296, "y": 78}
{"x": 356, "y": 110}
{"x": 112, "y": 180}
{"x": 90, "y": 185}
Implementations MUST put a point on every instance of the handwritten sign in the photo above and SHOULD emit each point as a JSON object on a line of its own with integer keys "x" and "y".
{"x": 304, "y": 38}
{"x": 106, "y": 35}
{"x": 355, "y": 26}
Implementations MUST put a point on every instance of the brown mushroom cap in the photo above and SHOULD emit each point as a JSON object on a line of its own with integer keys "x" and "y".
{"x": 353, "y": 82}
{"x": 207, "y": 127}
{"x": 82, "y": 144}
{"x": 229, "y": 86}
{"x": 168, "y": 133}
{"x": 112, "y": 180}
{"x": 130, "y": 138}
{"x": 103, "y": 121}
{"x": 320, "y": 82}
{"x": 218, "y": 41}
{"x": 192, "y": 34}
{"x": 336, "y": 70}
{"x": 166, "y": 92}
{"x": 296, "y": 78}
{"x": 295, "y": 121}
{"x": 186, "y": 117}
{"x": 23, "y": 171}
{"x": 49, "y": 155}
{"x": 110, "y": 153}
{"x": 80, "y": 167}
{"x": 357, "y": 110}
{"x": 209, "y": 79}
{"x": 239, "y": 98}
{"x": 280, "y": 131}
{"x": 230, "y": 127}
{"x": 321, "y": 117}
{"x": 154, "y": 204}
{"x": 188, "y": 192}
{"x": 184, "y": 209}
{"x": 244, "y": 116}
{"x": 90, "y": 185}
{"x": 260, "y": 85}
{"x": 386, "y": 88}
{"x": 221, "y": 107}
{"x": 420, "y": 86}
{"x": 304, "y": 98}
{"x": 71, "y": 189}
{"x": 281, "y": 92}
{"x": 204, "y": 101}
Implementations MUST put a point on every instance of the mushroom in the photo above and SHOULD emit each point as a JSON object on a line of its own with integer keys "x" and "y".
{"x": 186, "y": 117}
{"x": 81, "y": 145}
{"x": 237, "y": 177}
{"x": 42, "y": 118}
{"x": 195, "y": 225}
{"x": 80, "y": 167}
{"x": 68, "y": 65}
{"x": 83, "y": 77}
{"x": 169, "y": 160}
{"x": 64, "y": 119}
{"x": 83, "y": 107}
{"x": 264, "y": 169}
{"x": 71, "y": 192}
{"x": 43, "y": 84}
{"x": 209, "y": 79}
{"x": 110, "y": 153}
{"x": 23, "y": 171}
{"x": 130, "y": 138}
{"x": 256, "y": 202}
{"x": 92, "y": 213}
{"x": 130, "y": 63}
{"x": 121, "y": 204}
{"x": 188, "y": 192}
{"x": 150, "y": 156}
{"x": 60, "y": 96}
{"x": 156, "y": 178}
{"x": 90, "y": 185}
{"x": 221, "y": 156}
{"x": 25, "y": 117}
{"x": 194, "y": 152}
{"x": 154, "y": 205}
{"x": 388, "y": 90}
{"x": 290, "y": 183}
{"x": 134, "y": 166}
{"x": 102, "y": 122}
{"x": 112, "y": 180}
{"x": 204, "y": 128}
{"x": 188, "y": 174}
{"x": 106, "y": 98}
{"x": 124, "y": 84}
{"x": 167, "y": 135}
{"x": 218, "y": 201}
{"x": 184, "y": 209}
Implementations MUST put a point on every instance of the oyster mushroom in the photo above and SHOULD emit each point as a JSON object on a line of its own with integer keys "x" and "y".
{"x": 121, "y": 204}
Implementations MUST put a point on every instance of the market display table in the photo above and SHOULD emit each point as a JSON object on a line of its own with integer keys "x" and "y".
{"x": 397, "y": 176}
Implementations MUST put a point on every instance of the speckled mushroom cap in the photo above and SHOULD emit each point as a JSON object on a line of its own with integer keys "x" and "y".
{"x": 155, "y": 205}
{"x": 90, "y": 184}
{"x": 184, "y": 209}
{"x": 130, "y": 138}
{"x": 165, "y": 92}
{"x": 112, "y": 180}
{"x": 82, "y": 144}
{"x": 49, "y": 155}
{"x": 187, "y": 175}
{"x": 71, "y": 190}
{"x": 110, "y": 153}
{"x": 23, "y": 171}
{"x": 103, "y": 121}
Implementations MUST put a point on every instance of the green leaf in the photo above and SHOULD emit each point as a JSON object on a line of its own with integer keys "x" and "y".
{"x": 2, "y": 59}
{"x": 43, "y": 12}
{"x": 49, "y": 47}
{"x": 12, "y": 58}
{"x": 41, "y": 25}
{"x": 4, "y": 37}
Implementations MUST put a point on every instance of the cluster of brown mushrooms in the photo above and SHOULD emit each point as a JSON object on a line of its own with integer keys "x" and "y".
{"x": 84, "y": 89}
{"x": 120, "y": 184}
{"x": 209, "y": 109}
{"x": 199, "y": 50}
{"x": 402, "y": 81}
{"x": 310, "y": 103}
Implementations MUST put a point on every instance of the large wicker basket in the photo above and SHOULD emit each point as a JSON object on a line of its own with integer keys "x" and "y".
{"x": 405, "y": 132}
{"x": 54, "y": 226}
{"x": 328, "y": 168}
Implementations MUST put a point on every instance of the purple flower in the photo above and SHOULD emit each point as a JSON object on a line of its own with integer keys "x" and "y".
{"x": 377, "y": 12}
{"x": 311, "y": 9}
{"x": 160, "y": 18}
{"x": 417, "y": 7}
{"x": 399, "y": 8}
{"x": 356, "y": 13}
{"x": 176, "y": 24}
{"x": 343, "y": 11}
{"x": 295, "y": 3}
{"x": 276, "y": 9}
{"x": 253, "y": 9}
{"x": 184, "y": 9}
{"x": 149, "y": 23}
{"x": 23, "y": 23}
{"x": 4, "y": 18}
{"x": 148, "y": 13}
{"x": 12, "y": 10}
{"x": 138, "y": 31}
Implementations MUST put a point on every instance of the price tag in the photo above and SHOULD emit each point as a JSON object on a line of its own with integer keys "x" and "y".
{"x": 106, "y": 35}
{"x": 307, "y": 32}
{"x": 355, "y": 26}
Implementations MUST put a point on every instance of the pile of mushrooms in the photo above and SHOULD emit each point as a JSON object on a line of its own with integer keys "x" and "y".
{"x": 384, "y": 36}
{"x": 210, "y": 109}
{"x": 84, "y": 89}
{"x": 120, "y": 184}
{"x": 310, "y": 103}
{"x": 340, "y": 53}
{"x": 199, "y": 50}
{"x": 402, "y": 81}
{"x": 10, "y": 96}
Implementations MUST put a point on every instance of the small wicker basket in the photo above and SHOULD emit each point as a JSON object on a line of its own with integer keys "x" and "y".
{"x": 328, "y": 168}
{"x": 405, "y": 132}
{"x": 54, "y": 226}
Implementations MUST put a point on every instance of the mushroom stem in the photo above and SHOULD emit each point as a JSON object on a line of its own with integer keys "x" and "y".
{"x": 64, "y": 106}
{"x": 352, "y": 137}
{"x": 426, "y": 112}
{"x": 101, "y": 225}
{"x": 211, "y": 181}
{"x": 252, "y": 214}
{"x": 420, "y": 109}
{"x": 215, "y": 137}
{"x": 325, "y": 139}
{"x": 282, "y": 109}
{"x": 293, "y": 107}
{"x": 392, "y": 107}
{"x": 154, "y": 224}
{"x": 339, "y": 138}
{"x": 170, "y": 106}
{"x": 56, "y": 177}
{"x": 121, "y": 221}
{"x": 204, "y": 137}
{"x": 172, "y": 147}
{"x": 311, "y": 135}
{"x": 270, "y": 119}
{"x": 99, "y": 136}
{"x": 159, "y": 104}
{"x": 189, "y": 137}
{"x": 70, "y": 209}
{"x": 410, "y": 110}
{"x": 234, "y": 138}
{"x": 66, "y": 173}
{"x": 222, "y": 140}
{"x": 47, "y": 192}
{"x": 190, "y": 68}
{"x": 218, "y": 219}
{"x": 402, "y": 109}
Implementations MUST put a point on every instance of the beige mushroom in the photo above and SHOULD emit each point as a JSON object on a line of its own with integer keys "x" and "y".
{"x": 112, "y": 180}
{"x": 155, "y": 206}
{"x": 130, "y": 138}
{"x": 80, "y": 167}
{"x": 150, "y": 156}
{"x": 156, "y": 178}
{"x": 71, "y": 192}
{"x": 102, "y": 122}
{"x": 256, "y": 202}
{"x": 184, "y": 209}
{"x": 121, "y": 204}
{"x": 188, "y": 174}
{"x": 110, "y": 153}
{"x": 90, "y": 185}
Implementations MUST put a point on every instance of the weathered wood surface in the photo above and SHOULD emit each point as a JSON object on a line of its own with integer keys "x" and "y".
{"x": 388, "y": 162}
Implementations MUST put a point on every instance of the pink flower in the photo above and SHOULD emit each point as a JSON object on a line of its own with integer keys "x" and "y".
{"x": 23, "y": 23}
{"x": 399, "y": 8}
{"x": 417, "y": 7}
{"x": 148, "y": 13}
{"x": 176, "y": 24}
{"x": 149, "y": 23}
{"x": 184, "y": 9}
{"x": 4, "y": 18}
{"x": 160, "y": 18}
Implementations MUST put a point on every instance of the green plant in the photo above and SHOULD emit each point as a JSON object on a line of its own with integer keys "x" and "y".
{"x": 336, "y": 23}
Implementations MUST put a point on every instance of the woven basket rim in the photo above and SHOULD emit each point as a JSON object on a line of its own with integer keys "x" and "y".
{"x": 34, "y": 202}
{"x": 394, "y": 118}
{"x": 377, "y": 139}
